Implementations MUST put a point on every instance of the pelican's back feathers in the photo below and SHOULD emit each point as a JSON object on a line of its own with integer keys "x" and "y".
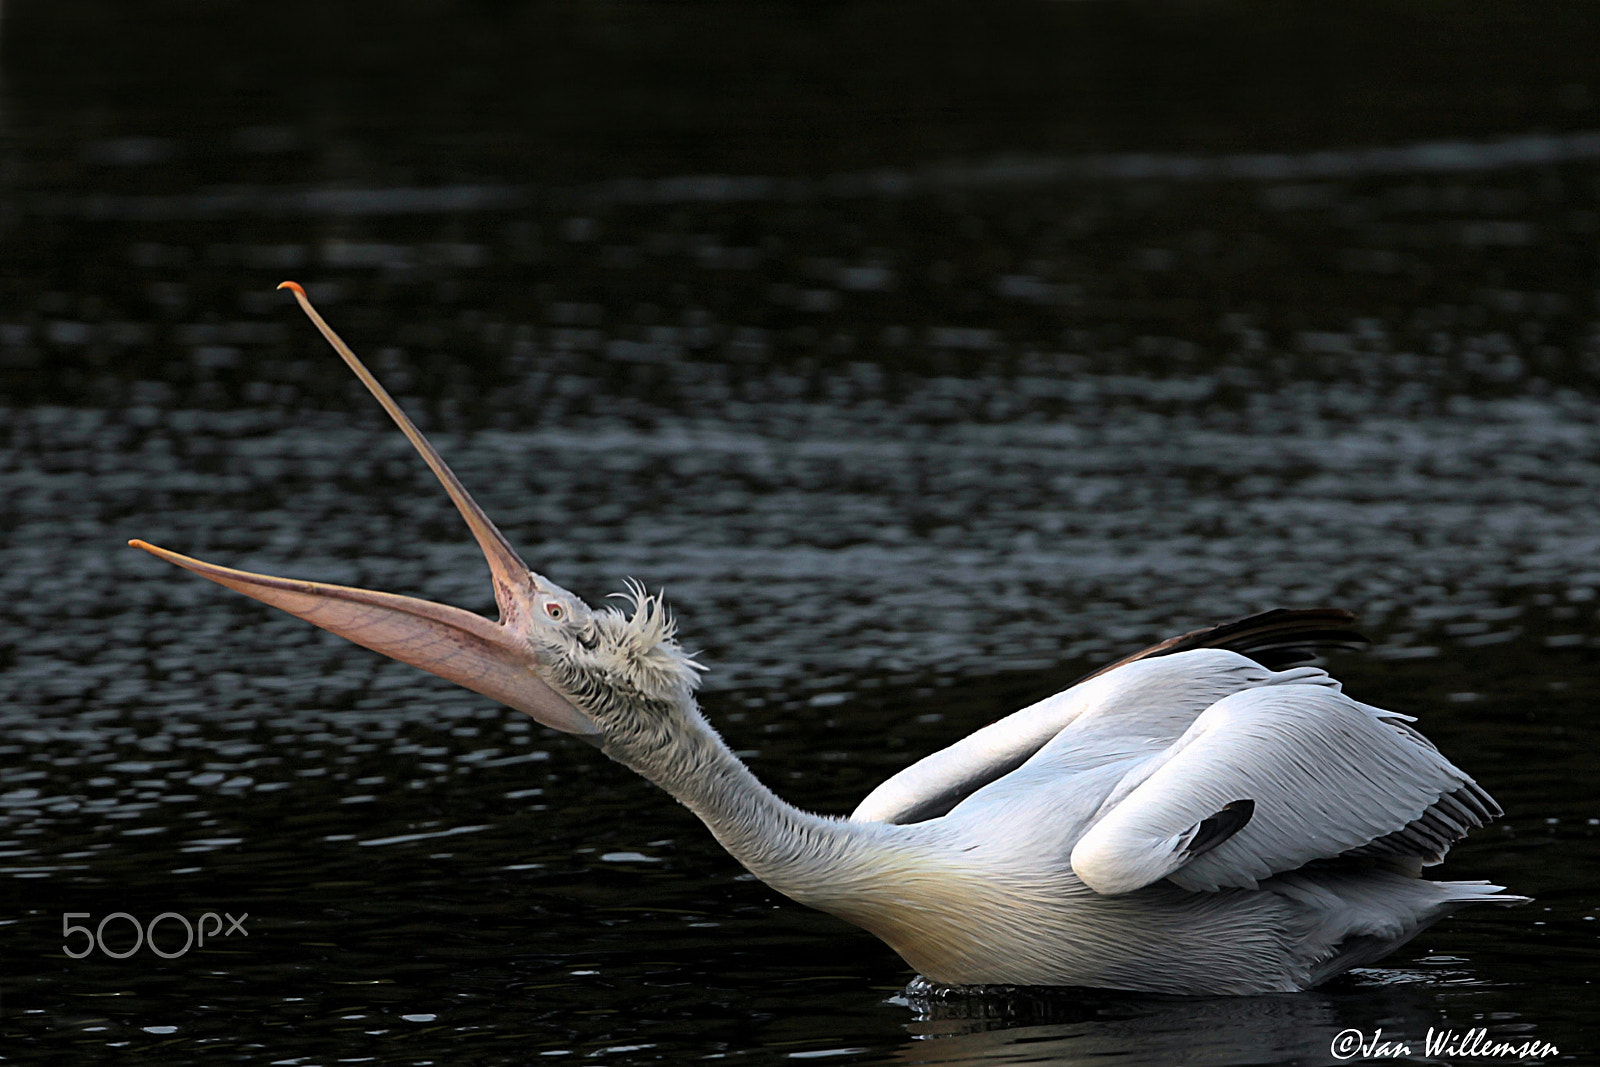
{"x": 1148, "y": 681}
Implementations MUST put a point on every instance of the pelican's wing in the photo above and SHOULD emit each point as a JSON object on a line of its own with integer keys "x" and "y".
{"x": 1178, "y": 690}
{"x": 1271, "y": 778}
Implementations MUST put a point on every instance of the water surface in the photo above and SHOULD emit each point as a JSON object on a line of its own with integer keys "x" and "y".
{"x": 909, "y": 441}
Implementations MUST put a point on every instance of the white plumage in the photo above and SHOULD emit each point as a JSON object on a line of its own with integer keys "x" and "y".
{"x": 1188, "y": 820}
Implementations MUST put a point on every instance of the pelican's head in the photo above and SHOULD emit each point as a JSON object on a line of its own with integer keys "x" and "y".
{"x": 615, "y": 664}
{"x": 592, "y": 673}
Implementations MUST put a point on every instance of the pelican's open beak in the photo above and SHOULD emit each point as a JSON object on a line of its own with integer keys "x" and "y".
{"x": 465, "y": 648}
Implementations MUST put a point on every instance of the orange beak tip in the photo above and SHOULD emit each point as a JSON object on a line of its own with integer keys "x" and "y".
{"x": 154, "y": 550}
{"x": 294, "y": 286}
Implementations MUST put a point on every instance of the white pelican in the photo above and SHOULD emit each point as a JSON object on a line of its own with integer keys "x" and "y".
{"x": 1187, "y": 820}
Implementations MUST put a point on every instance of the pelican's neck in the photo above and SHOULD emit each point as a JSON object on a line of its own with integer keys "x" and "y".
{"x": 915, "y": 886}
{"x": 805, "y": 856}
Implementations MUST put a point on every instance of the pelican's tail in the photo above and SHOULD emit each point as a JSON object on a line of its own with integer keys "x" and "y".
{"x": 1360, "y": 917}
{"x": 1479, "y": 892}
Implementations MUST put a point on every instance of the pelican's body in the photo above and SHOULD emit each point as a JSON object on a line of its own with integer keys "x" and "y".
{"x": 1188, "y": 820}
{"x": 999, "y": 890}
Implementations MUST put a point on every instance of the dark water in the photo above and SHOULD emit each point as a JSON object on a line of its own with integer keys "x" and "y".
{"x": 917, "y": 402}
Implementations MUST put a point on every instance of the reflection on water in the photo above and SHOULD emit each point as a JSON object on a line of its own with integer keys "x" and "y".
{"x": 909, "y": 442}
{"x": 1087, "y": 1027}
{"x": 811, "y": 544}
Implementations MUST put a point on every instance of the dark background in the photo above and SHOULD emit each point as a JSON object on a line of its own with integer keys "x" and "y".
{"x": 928, "y": 355}
{"x": 221, "y": 103}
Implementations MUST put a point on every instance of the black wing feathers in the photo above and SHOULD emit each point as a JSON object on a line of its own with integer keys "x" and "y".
{"x": 1218, "y": 828}
{"x": 1277, "y": 638}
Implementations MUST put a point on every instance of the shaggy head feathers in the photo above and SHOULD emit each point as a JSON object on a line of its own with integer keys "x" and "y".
{"x": 644, "y": 645}
{"x": 621, "y": 665}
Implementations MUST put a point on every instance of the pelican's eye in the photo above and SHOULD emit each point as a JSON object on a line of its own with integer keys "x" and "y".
{"x": 555, "y": 611}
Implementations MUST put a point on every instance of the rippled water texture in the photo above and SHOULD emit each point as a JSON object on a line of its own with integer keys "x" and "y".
{"x": 910, "y": 433}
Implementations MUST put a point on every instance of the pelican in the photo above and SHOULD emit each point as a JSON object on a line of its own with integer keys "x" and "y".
{"x": 1206, "y": 816}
